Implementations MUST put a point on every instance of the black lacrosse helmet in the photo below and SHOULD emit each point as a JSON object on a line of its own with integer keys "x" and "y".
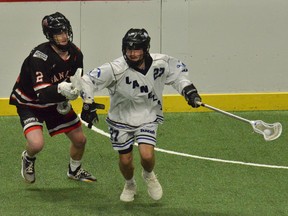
{"x": 55, "y": 24}
{"x": 135, "y": 39}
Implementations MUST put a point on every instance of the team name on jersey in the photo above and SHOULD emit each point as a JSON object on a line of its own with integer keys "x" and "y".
{"x": 59, "y": 77}
{"x": 153, "y": 97}
{"x": 135, "y": 84}
{"x": 158, "y": 72}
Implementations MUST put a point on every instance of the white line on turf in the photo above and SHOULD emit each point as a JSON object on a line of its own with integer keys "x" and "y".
{"x": 97, "y": 130}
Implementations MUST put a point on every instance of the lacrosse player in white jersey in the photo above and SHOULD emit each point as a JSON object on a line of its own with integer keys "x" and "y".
{"x": 135, "y": 82}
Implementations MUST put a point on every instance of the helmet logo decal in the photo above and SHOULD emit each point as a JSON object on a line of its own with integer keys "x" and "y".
{"x": 133, "y": 34}
{"x": 45, "y": 23}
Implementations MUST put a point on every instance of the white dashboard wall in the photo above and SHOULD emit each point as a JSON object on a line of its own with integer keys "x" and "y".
{"x": 230, "y": 46}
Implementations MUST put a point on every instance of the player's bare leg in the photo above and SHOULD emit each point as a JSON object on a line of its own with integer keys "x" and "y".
{"x": 148, "y": 162}
{"x": 35, "y": 143}
{"x": 127, "y": 169}
{"x": 78, "y": 142}
{"x": 77, "y": 148}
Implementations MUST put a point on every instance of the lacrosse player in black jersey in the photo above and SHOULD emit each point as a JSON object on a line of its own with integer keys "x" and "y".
{"x": 42, "y": 93}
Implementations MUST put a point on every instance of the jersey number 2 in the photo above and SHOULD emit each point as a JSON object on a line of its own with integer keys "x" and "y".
{"x": 39, "y": 76}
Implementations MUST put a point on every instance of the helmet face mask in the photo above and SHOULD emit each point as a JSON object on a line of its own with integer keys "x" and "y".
{"x": 55, "y": 24}
{"x": 136, "y": 39}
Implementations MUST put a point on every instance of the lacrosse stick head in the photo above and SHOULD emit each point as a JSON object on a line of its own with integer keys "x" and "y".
{"x": 269, "y": 131}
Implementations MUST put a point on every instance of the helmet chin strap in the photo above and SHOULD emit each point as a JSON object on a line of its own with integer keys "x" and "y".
{"x": 135, "y": 64}
{"x": 63, "y": 48}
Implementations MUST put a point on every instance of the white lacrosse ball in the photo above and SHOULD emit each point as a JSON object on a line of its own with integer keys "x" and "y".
{"x": 267, "y": 132}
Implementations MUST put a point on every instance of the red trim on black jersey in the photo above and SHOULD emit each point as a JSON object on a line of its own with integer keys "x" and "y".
{"x": 66, "y": 130}
{"x": 32, "y": 129}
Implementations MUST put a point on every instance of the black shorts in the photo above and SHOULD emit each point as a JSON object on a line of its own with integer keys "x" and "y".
{"x": 56, "y": 123}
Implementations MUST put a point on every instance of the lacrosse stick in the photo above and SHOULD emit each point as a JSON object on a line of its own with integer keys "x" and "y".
{"x": 269, "y": 131}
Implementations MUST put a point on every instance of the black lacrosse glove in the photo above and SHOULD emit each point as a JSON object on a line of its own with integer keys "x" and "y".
{"x": 89, "y": 113}
{"x": 191, "y": 95}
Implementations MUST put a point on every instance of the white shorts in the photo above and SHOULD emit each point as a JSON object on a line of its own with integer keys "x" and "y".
{"x": 122, "y": 140}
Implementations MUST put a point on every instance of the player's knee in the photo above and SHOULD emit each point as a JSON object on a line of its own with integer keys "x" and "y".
{"x": 80, "y": 142}
{"x": 146, "y": 152}
{"x": 36, "y": 146}
{"x": 126, "y": 160}
{"x": 147, "y": 157}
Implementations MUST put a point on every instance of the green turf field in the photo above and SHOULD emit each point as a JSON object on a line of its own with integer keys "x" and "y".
{"x": 191, "y": 186}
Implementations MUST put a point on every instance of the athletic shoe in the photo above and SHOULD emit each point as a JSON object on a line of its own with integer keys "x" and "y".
{"x": 27, "y": 169}
{"x": 154, "y": 188}
{"x": 128, "y": 192}
{"x": 80, "y": 175}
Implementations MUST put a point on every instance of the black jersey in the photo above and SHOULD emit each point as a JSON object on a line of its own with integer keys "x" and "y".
{"x": 41, "y": 69}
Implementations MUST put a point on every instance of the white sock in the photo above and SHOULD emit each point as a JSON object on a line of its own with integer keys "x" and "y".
{"x": 131, "y": 181}
{"x": 74, "y": 164}
{"x": 148, "y": 174}
{"x": 26, "y": 155}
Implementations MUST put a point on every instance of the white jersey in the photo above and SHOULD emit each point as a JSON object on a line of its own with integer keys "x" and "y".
{"x": 136, "y": 99}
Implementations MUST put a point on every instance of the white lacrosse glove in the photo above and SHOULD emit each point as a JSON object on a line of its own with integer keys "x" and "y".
{"x": 68, "y": 90}
{"x": 76, "y": 79}
{"x": 64, "y": 107}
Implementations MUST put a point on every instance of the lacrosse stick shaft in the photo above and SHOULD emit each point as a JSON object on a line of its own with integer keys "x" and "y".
{"x": 224, "y": 112}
